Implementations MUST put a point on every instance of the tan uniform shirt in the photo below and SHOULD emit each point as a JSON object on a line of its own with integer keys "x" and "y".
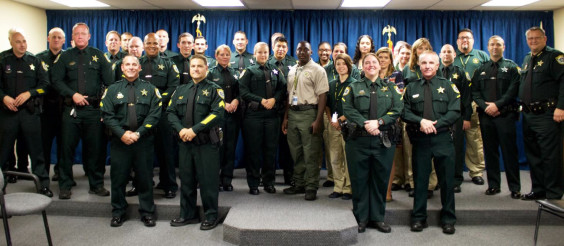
{"x": 306, "y": 83}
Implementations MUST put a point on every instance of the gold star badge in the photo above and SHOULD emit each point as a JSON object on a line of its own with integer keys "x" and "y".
{"x": 32, "y": 67}
{"x": 161, "y": 66}
{"x": 95, "y": 58}
{"x": 455, "y": 76}
{"x": 384, "y": 89}
{"x": 144, "y": 92}
{"x": 441, "y": 90}
{"x": 205, "y": 92}
{"x": 539, "y": 63}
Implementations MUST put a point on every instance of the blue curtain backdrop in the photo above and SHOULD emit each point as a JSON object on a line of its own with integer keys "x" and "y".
{"x": 440, "y": 27}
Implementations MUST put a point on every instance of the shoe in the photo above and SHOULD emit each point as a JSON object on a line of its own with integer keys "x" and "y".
{"x": 12, "y": 179}
{"x": 55, "y": 177}
{"x": 533, "y": 196}
{"x": 492, "y": 191}
{"x": 407, "y": 187}
{"x": 310, "y": 195}
{"x": 516, "y": 195}
{"x": 73, "y": 183}
{"x": 437, "y": 187}
{"x": 45, "y": 191}
{"x": 159, "y": 186}
{"x": 169, "y": 194}
{"x": 478, "y": 180}
{"x": 294, "y": 190}
{"x": 182, "y": 221}
{"x": 448, "y": 229}
{"x": 117, "y": 221}
{"x": 380, "y": 226}
{"x": 148, "y": 221}
{"x": 132, "y": 192}
{"x": 228, "y": 187}
{"x": 411, "y": 193}
{"x": 429, "y": 194}
{"x": 328, "y": 183}
{"x": 346, "y": 196}
{"x": 418, "y": 226}
{"x": 396, "y": 187}
{"x": 457, "y": 189}
{"x": 100, "y": 191}
{"x": 208, "y": 225}
{"x": 65, "y": 194}
{"x": 335, "y": 195}
{"x": 254, "y": 191}
{"x": 270, "y": 189}
{"x": 361, "y": 227}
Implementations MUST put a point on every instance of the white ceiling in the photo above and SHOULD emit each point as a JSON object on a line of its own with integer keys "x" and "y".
{"x": 305, "y": 4}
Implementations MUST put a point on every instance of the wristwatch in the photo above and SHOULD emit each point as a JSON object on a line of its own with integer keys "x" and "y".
{"x": 138, "y": 134}
{"x": 380, "y": 122}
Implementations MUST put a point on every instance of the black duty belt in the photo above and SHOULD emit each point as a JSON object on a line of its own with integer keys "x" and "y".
{"x": 539, "y": 107}
{"x": 303, "y": 107}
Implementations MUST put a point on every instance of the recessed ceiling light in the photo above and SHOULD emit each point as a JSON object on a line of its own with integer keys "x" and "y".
{"x": 364, "y": 3}
{"x": 219, "y": 3}
{"x": 508, "y": 3}
{"x": 81, "y": 3}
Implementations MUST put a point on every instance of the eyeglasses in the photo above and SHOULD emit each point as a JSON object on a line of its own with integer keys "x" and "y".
{"x": 465, "y": 37}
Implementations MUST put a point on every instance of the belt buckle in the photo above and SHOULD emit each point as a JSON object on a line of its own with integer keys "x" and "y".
{"x": 131, "y": 104}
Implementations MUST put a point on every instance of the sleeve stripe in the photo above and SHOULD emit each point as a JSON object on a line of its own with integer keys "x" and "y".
{"x": 208, "y": 119}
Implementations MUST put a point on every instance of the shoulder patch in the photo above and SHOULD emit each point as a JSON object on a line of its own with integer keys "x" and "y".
{"x": 57, "y": 59}
{"x": 454, "y": 88}
{"x": 158, "y": 93}
{"x": 175, "y": 68}
{"x": 242, "y": 73}
{"x": 105, "y": 92}
{"x": 347, "y": 91}
{"x": 560, "y": 59}
{"x": 107, "y": 59}
{"x": 113, "y": 67}
{"x": 468, "y": 76}
{"x": 45, "y": 66}
{"x": 220, "y": 93}
{"x": 518, "y": 69}
{"x": 398, "y": 90}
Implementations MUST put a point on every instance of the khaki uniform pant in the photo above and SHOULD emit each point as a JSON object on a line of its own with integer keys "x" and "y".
{"x": 336, "y": 149}
{"x": 474, "y": 147}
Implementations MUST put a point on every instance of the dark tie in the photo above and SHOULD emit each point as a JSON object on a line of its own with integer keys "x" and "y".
{"x": 446, "y": 74}
{"x": 81, "y": 75}
{"x": 189, "y": 116}
{"x": 528, "y": 90}
{"x": 241, "y": 62}
{"x": 186, "y": 72}
{"x": 228, "y": 81}
{"x": 280, "y": 66}
{"x": 148, "y": 70}
{"x": 20, "y": 81}
{"x": 493, "y": 82}
{"x": 131, "y": 114}
{"x": 428, "y": 102}
{"x": 268, "y": 83}
{"x": 373, "y": 102}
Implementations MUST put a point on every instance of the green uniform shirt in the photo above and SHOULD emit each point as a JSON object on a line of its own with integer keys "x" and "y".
{"x": 211, "y": 62}
{"x": 167, "y": 54}
{"x": 51, "y": 96}
{"x": 248, "y": 59}
{"x": 114, "y": 58}
{"x": 332, "y": 72}
{"x": 183, "y": 69}
{"x": 356, "y": 101}
{"x": 98, "y": 72}
{"x": 114, "y": 106}
{"x": 462, "y": 81}
{"x": 215, "y": 76}
{"x": 252, "y": 83}
{"x": 34, "y": 73}
{"x": 208, "y": 106}
{"x": 336, "y": 91}
{"x": 446, "y": 102}
{"x": 165, "y": 75}
{"x": 411, "y": 75}
{"x": 284, "y": 65}
{"x": 470, "y": 62}
{"x": 548, "y": 76}
{"x": 507, "y": 83}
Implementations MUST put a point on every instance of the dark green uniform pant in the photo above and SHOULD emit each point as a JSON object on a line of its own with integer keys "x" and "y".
{"x": 369, "y": 164}
{"x": 285, "y": 161}
{"x": 437, "y": 149}
{"x": 305, "y": 148}
{"x": 51, "y": 130}
{"x": 165, "y": 155}
{"x": 231, "y": 129}
{"x": 500, "y": 132}
{"x": 139, "y": 157}
{"x": 198, "y": 164}
{"x": 459, "y": 153}
{"x": 86, "y": 125}
{"x": 11, "y": 125}
{"x": 543, "y": 148}
{"x": 260, "y": 134}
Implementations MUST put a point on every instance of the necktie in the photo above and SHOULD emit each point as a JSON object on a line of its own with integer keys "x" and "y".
{"x": 428, "y": 102}
{"x": 493, "y": 82}
{"x": 373, "y": 113}
{"x": 148, "y": 70}
{"x": 528, "y": 90}
{"x": 228, "y": 81}
{"x": 131, "y": 114}
{"x": 268, "y": 84}
{"x": 446, "y": 74}
{"x": 20, "y": 81}
{"x": 241, "y": 62}
{"x": 279, "y": 65}
{"x": 81, "y": 75}
{"x": 189, "y": 116}
{"x": 186, "y": 72}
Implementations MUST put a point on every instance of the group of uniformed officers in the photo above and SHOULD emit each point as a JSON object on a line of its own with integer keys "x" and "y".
{"x": 191, "y": 107}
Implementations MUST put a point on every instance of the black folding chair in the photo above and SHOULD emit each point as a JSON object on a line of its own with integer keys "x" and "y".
{"x": 555, "y": 207}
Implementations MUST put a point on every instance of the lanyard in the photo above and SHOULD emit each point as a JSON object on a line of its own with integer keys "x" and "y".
{"x": 464, "y": 62}
{"x": 296, "y": 75}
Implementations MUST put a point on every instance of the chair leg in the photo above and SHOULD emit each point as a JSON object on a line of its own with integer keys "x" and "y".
{"x": 538, "y": 224}
{"x": 47, "y": 231}
{"x": 6, "y": 227}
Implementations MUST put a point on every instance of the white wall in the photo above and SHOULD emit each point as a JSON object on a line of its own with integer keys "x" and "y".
{"x": 559, "y": 29}
{"x": 31, "y": 19}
